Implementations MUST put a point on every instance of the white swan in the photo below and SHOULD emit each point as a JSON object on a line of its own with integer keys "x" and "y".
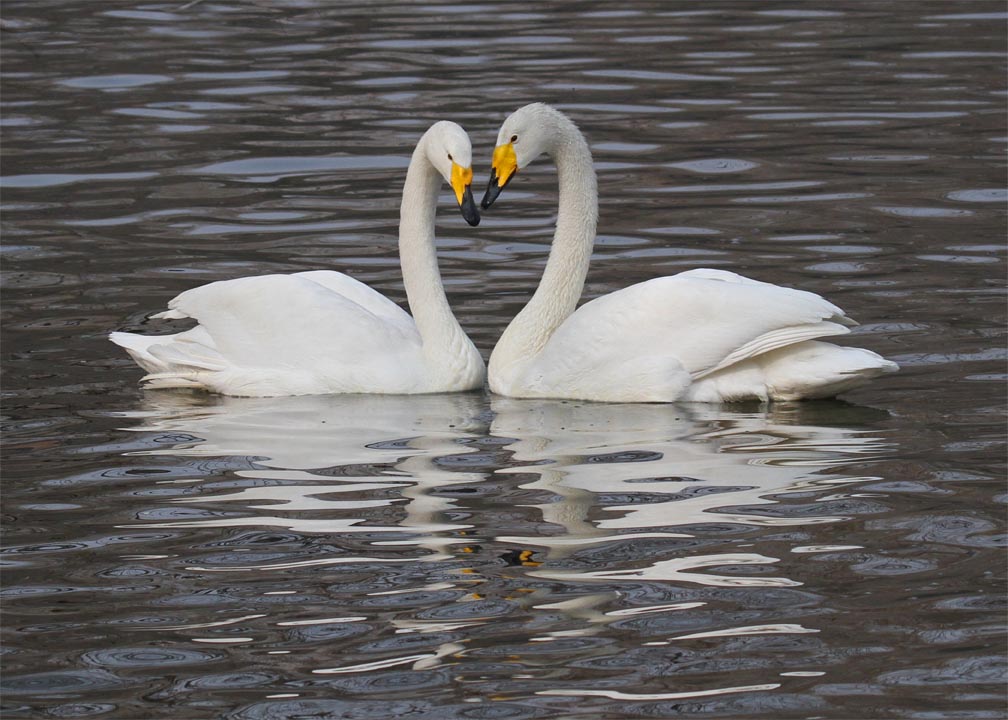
{"x": 324, "y": 332}
{"x": 702, "y": 335}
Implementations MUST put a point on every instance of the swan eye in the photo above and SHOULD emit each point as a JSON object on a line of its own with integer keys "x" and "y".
{"x": 450, "y": 157}
{"x": 514, "y": 138}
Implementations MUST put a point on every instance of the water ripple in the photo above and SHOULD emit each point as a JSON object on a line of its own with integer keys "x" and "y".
{"x": 55, "y": 179}
{"x": 114, "y": 82}
{"x": 640, "y": 697}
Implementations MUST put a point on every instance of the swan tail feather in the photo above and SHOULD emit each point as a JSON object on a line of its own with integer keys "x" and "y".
{"x": 815, "y": 370}
{"x": 810, "y": 370}
{"x": 172, "y": 361}
{"x": 189, "y": 355}
{"x": 168, "y": 381}
{"x": 776, "y": 340}
{"x": 138, "y": 347}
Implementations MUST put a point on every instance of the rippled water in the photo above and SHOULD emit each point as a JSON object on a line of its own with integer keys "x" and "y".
{"x": 468, "y": 556}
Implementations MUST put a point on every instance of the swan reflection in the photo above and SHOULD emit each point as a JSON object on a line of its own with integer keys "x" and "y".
{"x": 407, "y": 472}
{"x": 311, "y": 431}
{"x": 696, "y": 465}
{"x": 321, "y": 457}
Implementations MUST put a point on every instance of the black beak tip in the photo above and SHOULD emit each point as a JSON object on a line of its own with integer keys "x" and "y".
{"x": 494, "y": 188}
{"x": 468, "y": 207}
{"x": 492, "y": 192}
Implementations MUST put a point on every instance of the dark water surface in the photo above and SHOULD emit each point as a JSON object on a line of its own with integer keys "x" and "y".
{"x": 466, "y": 556}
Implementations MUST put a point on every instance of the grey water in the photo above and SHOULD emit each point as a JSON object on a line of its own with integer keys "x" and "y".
{"x": 177, "y": 555}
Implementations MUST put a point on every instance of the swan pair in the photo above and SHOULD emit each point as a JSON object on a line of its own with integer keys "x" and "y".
{"x": 702, "y": 335}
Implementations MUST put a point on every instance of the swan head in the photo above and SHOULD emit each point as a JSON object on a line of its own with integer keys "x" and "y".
{"x": 528, "y": 132}
{"x": 449, "y": 150}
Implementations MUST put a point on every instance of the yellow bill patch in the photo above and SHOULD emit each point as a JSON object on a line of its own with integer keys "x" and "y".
{"x": 505, "y": 163}
{"x": 461, "y": 178}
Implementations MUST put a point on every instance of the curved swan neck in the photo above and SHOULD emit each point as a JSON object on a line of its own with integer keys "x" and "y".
{"x": 439, "y": 330}
{"x": 577, "y": 216}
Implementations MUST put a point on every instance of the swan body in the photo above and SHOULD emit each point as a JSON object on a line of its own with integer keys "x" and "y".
{"x": 321, "y": 331}
{"x": 703, "y": 335}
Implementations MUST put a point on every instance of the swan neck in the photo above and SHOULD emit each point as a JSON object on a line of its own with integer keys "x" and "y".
{"x": 570, "y": 254}
{"x": 577, "y": 216}
{"x": 438, "y": 328}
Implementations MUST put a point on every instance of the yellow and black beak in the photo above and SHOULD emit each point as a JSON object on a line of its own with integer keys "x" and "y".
{"x": 504, "y": 167}
{"x": 461, "y": 182}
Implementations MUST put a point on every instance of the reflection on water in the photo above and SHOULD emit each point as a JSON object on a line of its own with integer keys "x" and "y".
{"x": 307, "y": 454}
{"x": 621, "y": 509}
{"x": 689, "y": 464}
{"x": 607, "y": 473}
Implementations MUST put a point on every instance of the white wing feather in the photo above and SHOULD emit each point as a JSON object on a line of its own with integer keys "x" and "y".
{"x": 363, "y": 295}
{"x": 707, "y": 320}
{"x": 290, "y": 321}
{"x": 281, "y": 335}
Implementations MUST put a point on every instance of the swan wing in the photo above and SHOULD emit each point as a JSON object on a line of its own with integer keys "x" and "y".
{"x": 706, "y": 320}
{"x": 297, "y": 322}
{"x": 363, "y": 295}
